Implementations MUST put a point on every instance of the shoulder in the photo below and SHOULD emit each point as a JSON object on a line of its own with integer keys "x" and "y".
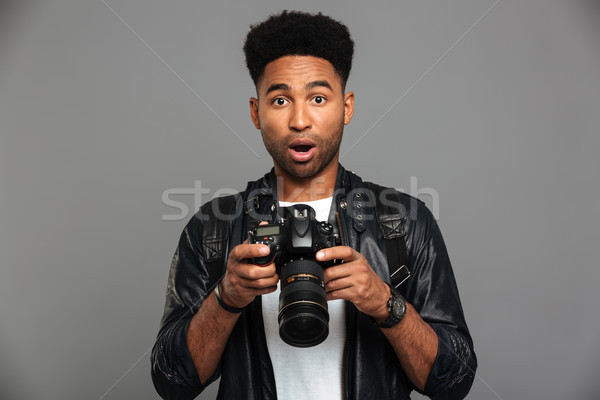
{"x": 386, "y": 198}
{"x": 417, "y": 221}
{"x": 220, "y": 211}
{"x": 392, "y": 200}
{"x": 211, "y": 222}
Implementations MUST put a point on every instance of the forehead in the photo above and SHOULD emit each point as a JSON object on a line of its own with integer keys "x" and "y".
{"x": 297, "y": 71}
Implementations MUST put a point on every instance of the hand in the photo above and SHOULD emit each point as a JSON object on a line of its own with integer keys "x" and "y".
{"x": 355, "y": 281}
{"x": 243, "y": 280}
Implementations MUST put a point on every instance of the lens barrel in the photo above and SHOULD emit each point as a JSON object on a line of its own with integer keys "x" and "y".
{"x": 303, "y": 316}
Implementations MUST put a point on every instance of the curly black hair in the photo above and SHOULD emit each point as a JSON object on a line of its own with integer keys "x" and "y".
{"x": 299, "y": 33}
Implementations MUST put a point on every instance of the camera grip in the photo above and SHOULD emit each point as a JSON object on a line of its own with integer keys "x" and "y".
{"x": 264, "y": 260}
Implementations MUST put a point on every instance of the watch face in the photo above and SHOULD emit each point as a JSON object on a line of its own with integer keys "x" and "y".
{"x": 397, "y": 307}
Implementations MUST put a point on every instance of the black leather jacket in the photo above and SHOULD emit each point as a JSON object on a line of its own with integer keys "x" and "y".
{"x": 371, "y": 369}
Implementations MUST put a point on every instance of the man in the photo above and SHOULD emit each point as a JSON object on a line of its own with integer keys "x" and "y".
{"x": 380, "y": 344}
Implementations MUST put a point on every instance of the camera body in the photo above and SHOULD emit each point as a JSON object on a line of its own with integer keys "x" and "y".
{"x": 303, "y": 314}
{"x": 299, "y": 234}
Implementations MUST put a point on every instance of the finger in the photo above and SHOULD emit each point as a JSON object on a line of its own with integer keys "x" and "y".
{"x": 254, "y": 272}
{"x": 344, "y": 253}
{"x": 342, "y": 294}
{"x": 260, "y": 283}
{"x": 251, "y": 292}
{"x": 337, "y": 272}
{"x": 338, "y": 284}
{"x": 245, "y": 250}
{"x": 267, "y": 290}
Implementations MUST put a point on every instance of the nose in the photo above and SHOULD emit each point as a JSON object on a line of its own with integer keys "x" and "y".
{"x": 299, "y": 119}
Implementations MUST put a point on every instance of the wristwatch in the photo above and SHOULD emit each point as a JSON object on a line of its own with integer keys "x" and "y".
{"x": 396, "y": 307}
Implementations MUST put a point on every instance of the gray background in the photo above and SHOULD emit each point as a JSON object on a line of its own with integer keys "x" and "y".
{"x": 497, "y": 113}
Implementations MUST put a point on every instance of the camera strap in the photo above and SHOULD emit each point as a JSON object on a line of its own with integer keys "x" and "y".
{"x": 391, "y": 218}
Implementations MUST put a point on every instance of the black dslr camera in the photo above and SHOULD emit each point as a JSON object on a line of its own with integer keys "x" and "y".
{"x": 303, "y": 315}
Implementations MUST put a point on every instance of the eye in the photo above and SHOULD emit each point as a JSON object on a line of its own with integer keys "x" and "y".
{"x": 318, "y": 100}
{"x": 280, "y": 101}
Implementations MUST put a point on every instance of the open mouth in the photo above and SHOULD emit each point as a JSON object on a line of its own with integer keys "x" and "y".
{"x": 301, "y": 150}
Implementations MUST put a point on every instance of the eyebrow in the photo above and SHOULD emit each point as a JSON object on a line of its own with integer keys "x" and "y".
{"x": 314, "y": 84}
{"x": 278, "y": 86}
{"x": 310, "y": 85}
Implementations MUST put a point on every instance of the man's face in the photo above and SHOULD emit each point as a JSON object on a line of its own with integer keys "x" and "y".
{"x": 301, "y": 111}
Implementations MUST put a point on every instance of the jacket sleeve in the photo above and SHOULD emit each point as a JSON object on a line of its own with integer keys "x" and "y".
{"x": 173, "y": 371}
{"x": 433, "y": 292}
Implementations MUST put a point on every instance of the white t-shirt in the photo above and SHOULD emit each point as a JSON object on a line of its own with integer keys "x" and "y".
{"x": 309, "y": 373}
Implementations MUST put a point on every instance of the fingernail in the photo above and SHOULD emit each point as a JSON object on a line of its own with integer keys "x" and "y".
{"x": 320, "y": 255}
{"x": 264, "y": 250}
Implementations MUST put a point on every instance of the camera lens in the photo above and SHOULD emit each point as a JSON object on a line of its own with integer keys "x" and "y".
{"x": 303, "y": 317}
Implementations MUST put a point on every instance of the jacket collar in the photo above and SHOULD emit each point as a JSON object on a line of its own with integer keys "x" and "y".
{"x": 260, "y": 198}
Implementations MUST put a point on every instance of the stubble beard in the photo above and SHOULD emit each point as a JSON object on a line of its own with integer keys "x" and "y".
{"x": 327, "y": 150}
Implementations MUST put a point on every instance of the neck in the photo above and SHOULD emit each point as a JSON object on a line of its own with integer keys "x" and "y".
{"x": 320, "y": 186}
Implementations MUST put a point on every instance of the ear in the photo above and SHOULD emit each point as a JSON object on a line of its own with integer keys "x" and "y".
{"x": 348, "y": 107}
{"x": 254, "y": 112}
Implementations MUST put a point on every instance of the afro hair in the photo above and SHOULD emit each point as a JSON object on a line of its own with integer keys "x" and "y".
{"x": 299, "y": 33}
